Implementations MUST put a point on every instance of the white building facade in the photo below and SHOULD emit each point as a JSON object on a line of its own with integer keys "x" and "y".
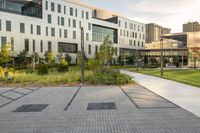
{"x": 44, "y": 25}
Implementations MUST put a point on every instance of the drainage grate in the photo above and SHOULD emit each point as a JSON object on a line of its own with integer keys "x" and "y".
{"x": 31, "y": 108}
{"x": 101, "y": 106}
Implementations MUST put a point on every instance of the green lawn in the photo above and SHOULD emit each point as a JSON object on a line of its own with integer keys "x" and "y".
{"x": 190, "y": 77}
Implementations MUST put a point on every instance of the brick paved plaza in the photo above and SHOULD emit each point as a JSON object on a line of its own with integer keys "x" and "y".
{"x": 91, "y": 109}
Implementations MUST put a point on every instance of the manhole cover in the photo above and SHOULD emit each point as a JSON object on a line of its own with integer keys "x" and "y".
{"x": 31, "y": 108}
{"x": 101, "y": 106}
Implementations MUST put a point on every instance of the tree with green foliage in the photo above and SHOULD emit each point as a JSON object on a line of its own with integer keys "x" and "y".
{"x": 50, "y": 57}
{"x": 68, "y": 58}
{"x": 35, "y": 58}
{"x": 5, "y": 54}
{"x": 106, "y": 51}
{"x": 93, "y": 65}
{"x": 63, "y": 65}
{"x": 22, "y": 59}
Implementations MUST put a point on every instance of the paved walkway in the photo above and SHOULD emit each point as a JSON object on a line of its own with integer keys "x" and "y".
{"x": 185, "y": 96}
{"x": 91, "y": 109}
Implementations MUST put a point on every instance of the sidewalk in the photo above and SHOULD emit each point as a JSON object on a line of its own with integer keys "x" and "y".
{"x": 185, "y": 96}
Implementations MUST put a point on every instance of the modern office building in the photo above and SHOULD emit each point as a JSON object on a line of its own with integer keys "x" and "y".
{"x": 191, "y": 27}
{"x": 183, "y": 49}
{"x": 154, "y": 31}
{"x": 44, "y": 25}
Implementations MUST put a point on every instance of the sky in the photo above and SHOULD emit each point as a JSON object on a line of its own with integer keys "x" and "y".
{"x": 168, "y": 13}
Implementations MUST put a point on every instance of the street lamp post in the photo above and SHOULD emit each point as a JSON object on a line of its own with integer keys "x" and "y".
{"x": 82, "y": 56}
{"x": 161, "y": 57}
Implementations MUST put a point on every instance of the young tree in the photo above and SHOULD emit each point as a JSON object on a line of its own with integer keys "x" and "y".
{"x": 50, "y": 57}
{"x": 68, "y": 58}
{"x": 106, "y": 51}
{"x": 35, "y": 58}
{"x": 5, "y": 54}
{"x": 22, "y": 58}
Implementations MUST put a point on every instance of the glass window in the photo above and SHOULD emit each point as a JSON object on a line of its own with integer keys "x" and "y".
{"x": 59, "y": 8}
{"x": 76, "y": 12}
{"x": 96, "y": 49}
{"x": 41, "y": 46}
{"x": 87, "y": 36}
{"x": 89, "y": 49}
{"x": 62, "y": 21}
{"x": 31, "y": 28}
{"x": 82, "y": 14}
{"x": 125, "y": 24}
{"x": 80, "y": 24}
{"x": 134, "y": 43}
{"x": 8, "y": 25}
{"x": 135, "y": 35}
{"x": 67, "y": 47}
{"x": 49, "y": 46}
{"x": 64, "y": 9}
{"x": 60, "y": 33}
{"x": 119, "y": 23}
{"x": 26, "y": 45}
{"x": 3, "y": 41}
{"x": 69, "y": 22}
{"x": 49, "y": 18}
{"x": 0, "y": 24}
{"x": 33, "y": 45}
{"x": 52, "y": 7}
{"x": 38, "y": 30}
{"x": 58, "y": 19}
{"x": 138, "y": 43}
{"x": 65, "y": 33}
{"x": 89, "y": 26}
{"x": 99, "y": 33}
{"x": 22, "y": 28}
{"x": 53, "y": 32}
{"x": 47, "y": 31}
{"x": 46, "y": 5}
{"x": 74, "y": 23}
{"x": 87, "y": 15}
{"x": 71, "y": 11}
{"x": 74, "y": 34}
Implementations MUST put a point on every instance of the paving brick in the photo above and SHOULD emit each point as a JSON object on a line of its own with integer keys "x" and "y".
{"x": 12, "y": 95}
{"x": 127, "y": 118}
{"x": 4, "y": 100}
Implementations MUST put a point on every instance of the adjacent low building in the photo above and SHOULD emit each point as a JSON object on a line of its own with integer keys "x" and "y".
{"x": 44, "y": 25}
{"x": 180, "y": 49}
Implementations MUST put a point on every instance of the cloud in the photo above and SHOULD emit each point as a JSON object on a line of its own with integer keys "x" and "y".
{"x": 169, "y": 13}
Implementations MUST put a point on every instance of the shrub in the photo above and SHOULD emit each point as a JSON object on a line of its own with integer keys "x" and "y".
{"x": 1, "y": 73}
{"x": 43, "y": 69}
{"x": 63, "y": 66}
{"x": 109, "y": 77}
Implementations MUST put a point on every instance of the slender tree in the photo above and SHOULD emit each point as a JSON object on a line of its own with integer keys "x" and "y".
{"x": 106, "y": 51}
{"x": 5, "y": 54}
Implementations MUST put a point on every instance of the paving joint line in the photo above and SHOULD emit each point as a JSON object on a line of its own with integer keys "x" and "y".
{"x": 129, "y": 97}
{"x": 151, "y": 99}
{"x": 7, "y": 97}
{"x": 17, "y": 92}
{"x": 12, "y": 100}
{"x": 70, "y": 102}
